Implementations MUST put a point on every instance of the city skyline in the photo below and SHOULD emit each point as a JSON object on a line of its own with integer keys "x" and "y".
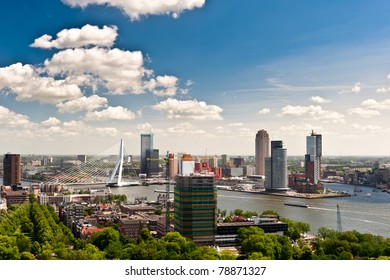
{"x": 202, "y": 76}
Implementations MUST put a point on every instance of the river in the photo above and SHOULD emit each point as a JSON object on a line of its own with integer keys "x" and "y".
{"x": 367, "y": 211}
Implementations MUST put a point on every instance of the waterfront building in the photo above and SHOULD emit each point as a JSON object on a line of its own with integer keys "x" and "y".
{"x": 82, "y": 158}
{"x": 11, "y": 169}
{"x": 261, "y": 151}
{"x": 213, "y": 161}
{"x": 186, "y": 165}
{"x": 223, "y": 160}
{"x": 173, "y": 165}
{"x": 146, "y": 144}
{"x": 152, "y": 162}
{"x": 276, "y": 168}
{"x": 195, "y": 205}
{"x": 313, "y": 158}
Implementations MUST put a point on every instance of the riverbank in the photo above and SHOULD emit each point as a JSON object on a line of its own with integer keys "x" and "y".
{"x": 294, "y": 194}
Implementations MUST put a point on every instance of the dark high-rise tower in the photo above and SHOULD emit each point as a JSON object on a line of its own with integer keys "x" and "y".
{"x": 262, "y": 151}
{"x": 11, "y": 169}
{"x": 146, "y": 146}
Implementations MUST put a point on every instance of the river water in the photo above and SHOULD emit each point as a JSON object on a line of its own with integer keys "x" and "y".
{"x": 367, "y": 211}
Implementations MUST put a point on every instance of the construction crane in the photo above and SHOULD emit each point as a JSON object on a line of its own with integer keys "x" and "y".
{"x": 167, "y": 191}
{"x": 339, "y": 226}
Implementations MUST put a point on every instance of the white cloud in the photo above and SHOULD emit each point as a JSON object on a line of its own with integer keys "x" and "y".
{"x": 355, "y": 89}
{"x": 107, "y": 131}
{"x": 27, "y": 84}
{"x": 313, "y": 112}
{"x": 137, "y": 8}
{"x": 236, "y": 124}
{"x": 299, "y": 129}
{"x": 367, "y": 127}
{"x": 163, "y": 85}
{"x": 185, "y": 128}
{"x": 264, "y": 111}
{"x": 319, "y": 100}
{"x": 189, "y": 83}
{"x": 189, "y": 109}
{"x": 144, "y": 127}
{"x": 375, "y": 105}
{"x": 111, "y": 113}
{"x": 79, "y": 37}
{"x": 9, "y": 118}
{"x": 383, "y": 90}
{"x": 51, "y": 122}
{"x": 119, "y": 71}
{"x": 361, "y": 112}
{"x": 83, "y": 103}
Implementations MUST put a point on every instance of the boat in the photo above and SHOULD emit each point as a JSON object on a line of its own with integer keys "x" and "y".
{"x": 297, "y": 205}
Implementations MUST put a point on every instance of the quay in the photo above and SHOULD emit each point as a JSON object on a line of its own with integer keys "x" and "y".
{"x": 290, "y": 193}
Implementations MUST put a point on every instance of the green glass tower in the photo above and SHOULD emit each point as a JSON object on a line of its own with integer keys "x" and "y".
{"x": 195, "y": 205}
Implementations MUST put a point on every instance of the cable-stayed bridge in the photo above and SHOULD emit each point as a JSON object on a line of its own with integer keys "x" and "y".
{"x": 100, "y": 169}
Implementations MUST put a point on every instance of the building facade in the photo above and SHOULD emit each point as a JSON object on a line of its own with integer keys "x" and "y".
{"x": 11, "y": 169}
{"x": 276, "y": 168}
{"x": 186, "y": 165}
{"x": 195, "y": 205}
{"x": 152, "y": 162}
{"x": 261, "y": 151}
{"x": 146, "y": 145}
{"x": 313, "y": 158}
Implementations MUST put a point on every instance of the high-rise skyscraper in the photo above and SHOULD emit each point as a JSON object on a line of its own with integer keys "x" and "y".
{"x": 146, "y": 144}
{"x": 152, "y": 162}
{"x": 11, "y": 169}
{"x": 262, "y": 151}
{"x": 313, "y": 158}
{"x": 276, "y": 168}
{"x": 195, "y": 204}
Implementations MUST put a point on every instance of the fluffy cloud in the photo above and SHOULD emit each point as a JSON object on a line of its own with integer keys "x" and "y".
{"x": 107, "y": 131}
{"x": 9, "y": 118}
{"x": 83, "y": 103}
{"x": 163, "y": 85}
{"x": 264, "y": 111}
{"x": 298, "y": 129}
{"x": 375, "y": 105}
{"x": 236, "y": 124}
{"x": 361, "y": 112}
{"x": 189, "y": 109}
{"x": 319, "y": 100}
{"x": 137, "y": 8}
{"x": 185, "y": 128}
{"x": 119, "y": 71}
{"x": 313, "y": 112}
{"x": 51, "y": 122}
{"x": 367, "y": 127}
{"x": 355, "y": 89}
{"x": 79, "y": 37}
{"x": 26, "y": 82}
{"x": 111, "y": 113}
{"x": 383, "y": 90}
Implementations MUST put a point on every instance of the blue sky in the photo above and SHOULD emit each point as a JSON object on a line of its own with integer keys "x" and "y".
{"x": 204, "y": 76}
